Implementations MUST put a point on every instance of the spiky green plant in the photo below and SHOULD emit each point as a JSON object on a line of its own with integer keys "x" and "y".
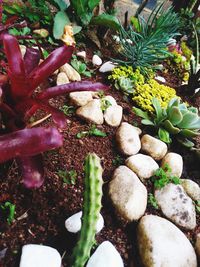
{"x": 175, "y": 120}
{"x": 91, "y": 210}
{"x": 145, "y": 46}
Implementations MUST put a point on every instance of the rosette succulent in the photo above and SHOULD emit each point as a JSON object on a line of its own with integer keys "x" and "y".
{"x": 175, "y": 120}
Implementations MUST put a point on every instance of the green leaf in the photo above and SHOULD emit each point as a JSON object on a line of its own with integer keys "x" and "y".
{"x": 185, "y": 142}
{"x": 106, "y": 20}
{"x": 76, "y": 29}
{"x": 62, "y": 4}
{"x": 96, "y": 132}
{"x": 164, "y": 135}
{"x": 61, "y": 19}
{"x": 170, "y": 127}
{"x": 188, "y": 120}
{"x": 141, "y": 113}
{"x": 158, "y": 109}
{"x": 147, "y": 122}
{"x": 189, "y": 133}
{"x": 152, "y": 201}
{"x": 174, "y": 115}
{"x": 92, "y": 4}
{"x": 87, "y": 74}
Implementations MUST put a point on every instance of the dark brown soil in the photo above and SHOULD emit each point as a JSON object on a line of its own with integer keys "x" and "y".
{"x": 41, "y": 213}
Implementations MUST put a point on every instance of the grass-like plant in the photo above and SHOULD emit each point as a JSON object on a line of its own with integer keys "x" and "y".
{"x": 145, "y": 46}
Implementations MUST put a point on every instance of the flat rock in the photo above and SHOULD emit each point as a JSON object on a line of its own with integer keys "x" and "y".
{"x": 71, "y": 73}
{"x": 96, "y": 60}
{"x": 144, "y": 166}
{"x": 176, "y": 205}
{"x": 153, "y": 147}
{"x": 107, "y": 67}
{"x": 73, "y": 223}
{"x": 105, "y": 255}
{"x": 175, "y": 162}
{"x": 191, "y": 188}
{"x": 39, "y": 256}
{"x": 23, "y": 50}
{"x": 160, "y": 79}
{"x": 161, "y": 243}
{"x": 91, "y": 112}
{"x": 62, "y": 78}
{"x": 113, "y": 115}
{"x": 128, "y": 194}
{"x": 128, "y": 139}
{"x": 81, "y": 98}
{"x": 81, "y": 54}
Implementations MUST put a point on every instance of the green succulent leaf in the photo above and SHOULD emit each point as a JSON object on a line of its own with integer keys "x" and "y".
{"x": 174, "y": 115}
{"x": 170, "y": 128}
{"x": 61, "y": 19}
{"x": 185, "y": 142}
{"x": 188, "y": 120}
{"x": 141, "y": 113}
{"x": 158, "y": 109}
{"x": 147, "y": 122}
{"x": 189, "y": 133}
{"x": 164, "y": 135}
{"x": 174, "y": 102}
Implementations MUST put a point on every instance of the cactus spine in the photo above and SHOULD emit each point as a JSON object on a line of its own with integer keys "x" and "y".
{"x": 91, "y": 210}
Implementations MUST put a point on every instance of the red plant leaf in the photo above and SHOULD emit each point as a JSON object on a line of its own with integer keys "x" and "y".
{"x": 31, "y": 59}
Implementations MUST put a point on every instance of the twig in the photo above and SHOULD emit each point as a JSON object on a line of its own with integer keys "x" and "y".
{"x": 38, "y": 121}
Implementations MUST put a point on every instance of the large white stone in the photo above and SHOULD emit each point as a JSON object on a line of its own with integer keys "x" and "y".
{"x": 73, "y": 223}
{"x": 62, "y": 78}
{"x": 39, "y": 256}
{"x": 176, "y": 205}
{"x": 128, "y": 139}
{"x": 71, "y": 73}
{"x": 162, "y": 244}
{"x": 128, "y": 194}
{"x": 107, "y": 67}
{"x": 91, "y": 112}
{"x": 81, "y": 98}
{"x": 191, "y": 188}
{"x": 175, "y": 162}
{"x": 153, "y": 147}
{"x": 144, "y": 166}
{"x": 105, "y": 255}
{"x": 113, "y": 115}
{"x": 96, "y": 60}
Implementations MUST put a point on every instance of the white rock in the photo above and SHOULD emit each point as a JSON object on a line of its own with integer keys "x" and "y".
{"x": 162, "y": 244}
{"x": 191, "y": 188}
{"x": 105, "y": 255}
{"x": 128, "y": 194}
{"x": 81, "y": 54}
{"x": 144, "y": 166}
{"x": 23, "y": 50}
{"x": 71, "y": 73}
{"x": 91, "y": 112}
{"x": 113, "y": 115}
{"x": 153, "y": 147}
{"x": 39, "y": 256}
{"x": 96, "y": 60}
{"x": 160, "y": 79}
{"x": 62, "y": 78}
{"x": 81, "y": 98}
{"x": 111, "y": 100}
{"x": 128, "y": 139}
{"x": 175, "y": 162}
{"x": 73, "y": 223}
{"x": 197, "y": 245}
{"x": 107, "y": 67}
{"x": 176, "y": 205}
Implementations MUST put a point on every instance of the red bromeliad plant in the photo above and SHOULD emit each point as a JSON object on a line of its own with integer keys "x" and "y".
{"x": 19, "y": 101}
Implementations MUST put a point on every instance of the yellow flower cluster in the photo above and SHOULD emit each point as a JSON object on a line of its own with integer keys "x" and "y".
{"x": 143, "y": 95}
{"x": 127, "y": 72}
{"x": 187, "y": 52}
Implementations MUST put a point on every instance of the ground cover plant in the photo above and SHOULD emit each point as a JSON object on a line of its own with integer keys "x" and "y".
{"x": 107, "y": 169}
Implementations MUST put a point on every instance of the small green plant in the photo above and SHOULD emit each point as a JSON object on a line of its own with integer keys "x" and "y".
{"x": 197, "y": 206}
{"x": 68, "y": 177}
{"x": 146, "y": 46}
{"x": 68, "y": 110}
{"x": 117, "y": 161}
{"x": 91, "y": 210}
{"x": 9, "y": 209}
{"x": 105, "y": 104}
{"x": 163, "y": 176}
{"x": 80, "y": 67}
{"x": 176, "y": 120}
{"x": 93, "y": 131}
{"x": 152, "y": 201}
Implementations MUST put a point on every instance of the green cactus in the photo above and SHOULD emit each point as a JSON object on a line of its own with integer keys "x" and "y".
{"x": 91, "y": 210}
{"x": 177, "y": 120}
